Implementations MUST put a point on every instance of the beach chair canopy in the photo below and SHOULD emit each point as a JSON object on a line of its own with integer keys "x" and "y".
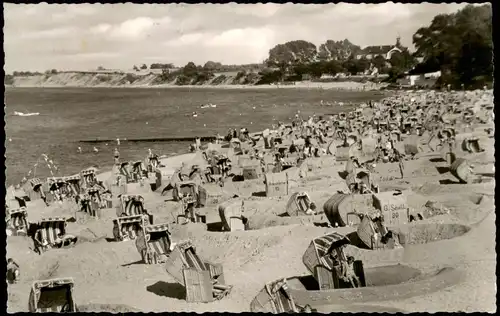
{"x": 57, "y": 180}
{"x": 89, "y": 171}
{"x": 155, "y": 236}
{"x": 52, "y": 229}
{"x": 157, "y": 228}
{"x": 298, "y": 203}
{"x": 75, "y": 177}
{"x": 131, "y": 205}
{"x": 35, "y": 183}
{"x": 54, "y": 295}
{"x": 325, "y": 244}
{"x": 17, "y": 218}
{"x": 137, "y": 164}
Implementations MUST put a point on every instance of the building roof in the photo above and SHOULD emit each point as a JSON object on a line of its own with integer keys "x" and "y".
{"x": 384, "y": 49}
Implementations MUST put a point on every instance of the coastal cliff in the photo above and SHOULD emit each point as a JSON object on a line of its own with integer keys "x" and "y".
{"x": 119, "y": 79}
{"x": 152, "y": 79}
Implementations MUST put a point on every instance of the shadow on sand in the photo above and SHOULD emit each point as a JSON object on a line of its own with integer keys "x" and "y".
{"x": 259, "y": 194}
{"x": 172, "y": 290}
{"x": 133, "y": 263}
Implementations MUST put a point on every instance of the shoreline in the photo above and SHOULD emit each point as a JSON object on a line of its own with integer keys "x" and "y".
{"x": 341, "y": 86}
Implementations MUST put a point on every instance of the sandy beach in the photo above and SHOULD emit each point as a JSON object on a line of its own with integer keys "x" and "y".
{"x": 111, "y": 276}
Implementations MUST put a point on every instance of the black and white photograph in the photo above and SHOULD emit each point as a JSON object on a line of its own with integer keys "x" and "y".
{"x": 263, "y": 158}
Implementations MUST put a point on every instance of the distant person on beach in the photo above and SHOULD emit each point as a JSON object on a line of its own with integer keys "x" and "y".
{"x": 12, "y": 271}
{"x": 118, "y": 141}
{"x": 197, "y": 143}
{"x": 117, "y": 156}
{"x": 79, "y": 149}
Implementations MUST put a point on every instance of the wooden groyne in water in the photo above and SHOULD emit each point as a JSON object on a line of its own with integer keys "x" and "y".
{"x": 157, "y": 139}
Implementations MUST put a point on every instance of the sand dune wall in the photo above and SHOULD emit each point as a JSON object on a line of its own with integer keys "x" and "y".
{"x": 100, "y": 79}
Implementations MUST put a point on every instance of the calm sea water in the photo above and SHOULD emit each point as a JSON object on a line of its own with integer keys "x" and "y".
{"x": 68, "y": 115}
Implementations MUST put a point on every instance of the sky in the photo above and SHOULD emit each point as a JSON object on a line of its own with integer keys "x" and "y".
{"x": 117, "y": 36}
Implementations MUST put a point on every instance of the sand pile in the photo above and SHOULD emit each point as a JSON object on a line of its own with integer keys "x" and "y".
{"x": 426, "y": 233}
{"x": 262, "y": 221}
{"x": 107, "y": 308}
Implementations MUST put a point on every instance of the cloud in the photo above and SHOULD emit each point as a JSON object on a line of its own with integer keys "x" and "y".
{"x": 121, "y": 35}
{"x": 186, "y": 39}
{"x": 253, "y": 37}
{"x": 134, "y": 28}
{"x": 98, "y": 56}
{"x": 131, "y": 29}
{"x": 48, "y": 34}
{"x": 101, "y": 28}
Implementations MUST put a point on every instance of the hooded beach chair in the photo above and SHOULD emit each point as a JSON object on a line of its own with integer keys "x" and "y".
{"x": 125, "y": 172}
{"x": 188, "y": 193}
{"x": 153, "y": 163}
{"x": 275, "y": 298}
{"x": 138, "y": 171}
{"x": 34, "y": 188}
{"x": 15, "y": 198}
{"x": 17, "y": 221}
{"x": 231, "y": 216}
{"x": 88, "y": 205}
{"x": 383, "y": 125}
{"x": 393, "y": 124}
{"x": 51, "y": 233}
{"x": 472, "y": 145}
{"x": 74, "y": 184}
{"x": 58, "y": 187}
{"x": 407, "y": 125}
{"x": 326, "y": 260}
{"x": 93, "y": 201}
{"x": 52, "y": 296}
{"x": 298, "y": 204}
{"x": 203, "y": 281}
{"x": 88, "y": 176}
{"x": 447, "y": 133}
{"x": 130, "y": 214}
{"x": 153, "y": 242}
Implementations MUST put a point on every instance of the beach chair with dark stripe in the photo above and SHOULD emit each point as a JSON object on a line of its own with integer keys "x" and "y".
{"x": 51, "y": 233}
{"x": 130, "y": 214}
{"x": 326, "y": 260}
{"x": 52, "y": 296}
{"x": 125, "y": 172}
{"x": 58, "y": 187}
{"x": 35, "y": 191}
{"x": 281, "y": 298}
{"x": 74, "y": 184}
{"x": 187, "y": 192}
{"x": 153, "y": 243}
{"x": 154, "y": 163}
{"x": 383, "y": 125}
{"x": 203, "y": 281}
{"x": 88, "y": 177}
{"x": 17, "y": 221}
{"x": 138, "y": 171}
{"x": 91, "y": 202}
{"x": 276, "y": 298}
{"x": 86, "y": 205}
{"x": 298, "y": 204}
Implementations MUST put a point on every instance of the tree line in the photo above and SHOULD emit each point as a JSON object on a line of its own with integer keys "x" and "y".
{"x": 460, "y": 45}
{"x": 457, "y": 44}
